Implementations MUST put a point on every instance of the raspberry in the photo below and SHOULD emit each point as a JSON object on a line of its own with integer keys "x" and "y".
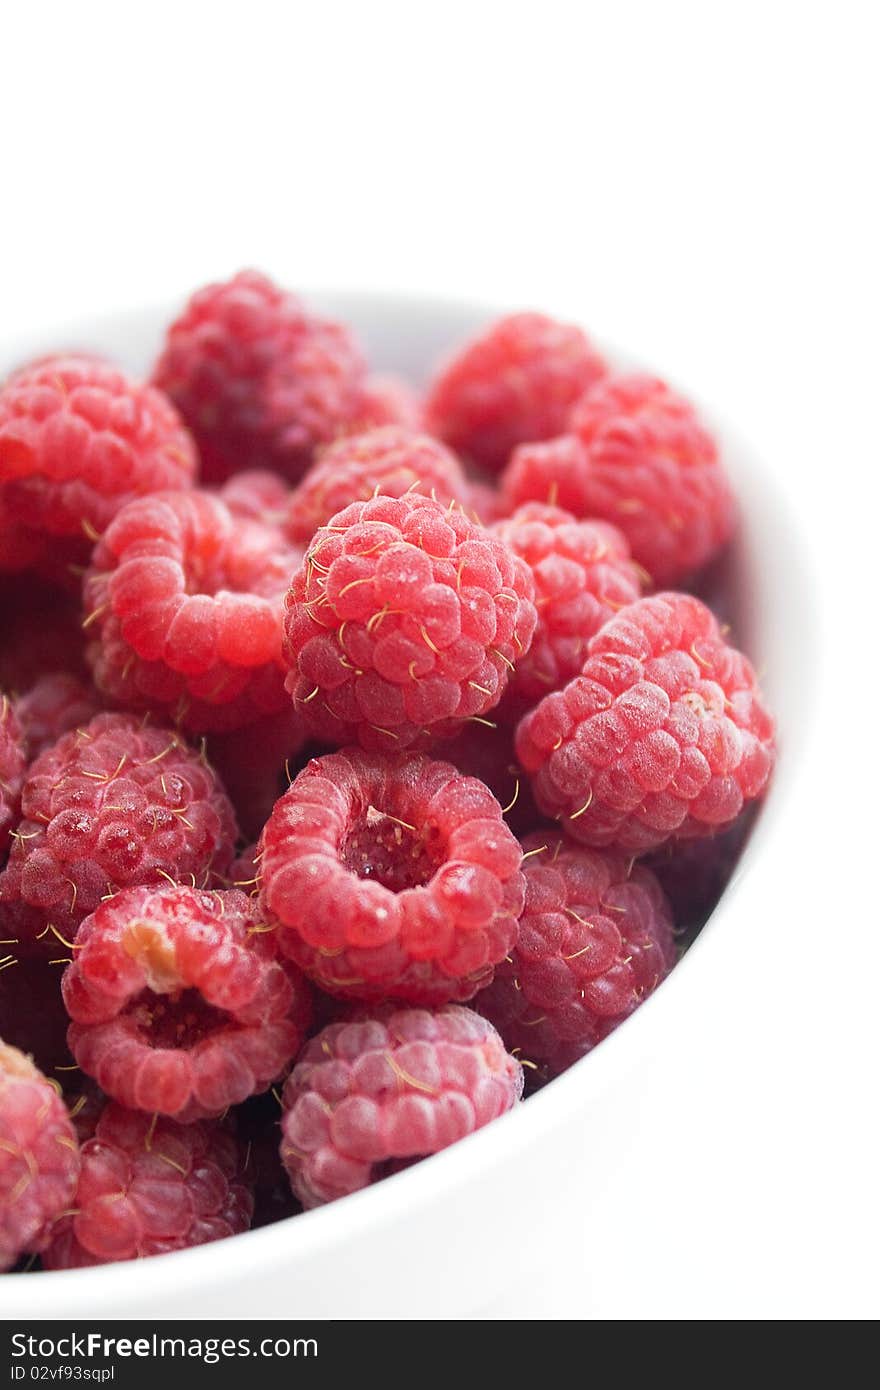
{"x": 149, "y": 1186}
{"x": 178, "y": 1002}
{"x": 486, "y": 503}
{"x": 54, "y": 704}
{"x": 637, "y": 455}
{"x": 595, "y": 938}
{"x": 406, "y": 619}
{"x": 257, "y": 495}
{"x": 259, "y": 382}
{"x": 40, "y": 633}
{"x": 184, "y": 604}
{"x": 39, "y": 1157}
{"x": 368, "y": 1098}
{"x": 386, "y": 400}
{"x": 391, "y": 877}
{"x": 245, "y": 870}
{"x": 12, "y": 768}
{"x": 694, "y": 873}
{"x": 78, "y": 439}
{"x": 255, "y": 765}
{"x": 516, "y": 382}
{"x": 392, "y": 461}
{"x": 109, "y": 806}
{"x": 489, "y": 755}
{"x": 583, "y": 574}
{"x": 664, "y": 734}
{"x": 32, "y": 1013}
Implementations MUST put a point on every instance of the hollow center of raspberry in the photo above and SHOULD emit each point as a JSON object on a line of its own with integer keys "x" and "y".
{"x": 389, "y": 851}
{"x": 177, "y": 1020}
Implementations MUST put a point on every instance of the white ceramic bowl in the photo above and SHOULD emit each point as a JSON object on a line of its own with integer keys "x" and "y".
{"x": 517, "y": 1206}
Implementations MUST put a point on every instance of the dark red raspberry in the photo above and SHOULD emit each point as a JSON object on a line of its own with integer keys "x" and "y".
{"x": 245, "y": 870}
{"x": 259, "y": 381}
{"x": 32, "y": 1013}
{"x": 256, "y": 763}
{"x": 664, "y": 734}
{"x": 391, "y": 877}
{"x": 109, "y": 806}
{"x": 40, "y": 633}
{"x": 595, "y": 939}
{"x": 78, "y": 439}
{"x": 489, "y": 755}
{"x": 52, "y": 706}
{"x": 516, "y": 382}
{"x": 179, "y": 1003}
{"x": 405, "y": 620}
{"x": 583, "y": 574}
{"x": 39, "y": 1157}
{"x": 258, "y": 495}
{"x": 184, "y": 605}
{"x": 694, "y": 873}
{"x": 636, "y": 455}
{"x": 391, "y": 461}
{"x": 386, "y": 400}
{"x": 368, "y": 1098}
{"x": 149, "y": 1185}
{"x": 12, "y": 769}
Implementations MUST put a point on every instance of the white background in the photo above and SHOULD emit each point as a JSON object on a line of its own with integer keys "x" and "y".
{"x": 693, "y": 181}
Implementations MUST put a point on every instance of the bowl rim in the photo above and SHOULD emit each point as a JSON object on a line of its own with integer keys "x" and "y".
{"x": 324, "y": 1229}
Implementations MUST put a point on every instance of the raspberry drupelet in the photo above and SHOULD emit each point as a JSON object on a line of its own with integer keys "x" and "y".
{"x": 595, "y": 938}
{"x": 391, "y": 461}
{"x": 114, "y": 804}
{"x": 635, "y": 454}
{"x": 54, "y": 704}
{"x": 179, "y": 1003}
{"x": 184, "y": 603}
{"x": 583, "y": 574}
{"x": 78, "y": 439}
{"x": 367, "y": 1099}
{"x": 663, "y": 735}
{"x": 39, "y": 1157}
{"x": 12, "y": 769}
{"x": 148, "y": 1186}
{"x": 387, "y": 400}
{"x": 260, "y": 382}
{"x": 405, "y": 619}
{"x": 391, "y": 877}
{"x": 517, "y": 381}
{"x": 257, "y": 495}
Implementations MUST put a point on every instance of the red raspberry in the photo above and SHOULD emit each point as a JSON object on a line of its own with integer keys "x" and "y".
{"x": 583, "y": 574}
{"x": 694, "y": 873}
{"x": 54, "y": 704}
{"x": 368, "y": 1098}
{"x": 113, "y": 805}
{"x": 39, "y": 1157}
{"x": 12, "y": 769}
{"x": 516, "y": 382}
{"x": 637, "y": 455}
{"x": 149, "y": 1185}
{"x": 391, "y": 461}
{"x": 245, "y": 870}
{"x": 32, "y": 1013}
{"x": 178, "y": 1002}
{"x": 256, "y": 763}
{"x": 185, "y": 603}
{"x": 257, "y": 495}
{"x": 405, "y": 620}
{"x": 78, "y": 439}
{"x": 40, "y": 633}
{"x": 489, "y": 755}
{"x": 260, "y": 382}
{"x": 391, "y": 877}
{"x": 486, "y": 503}
{"x": 595, "y": 939}
{"x": 664, "y": 734}
{"x": 386, "y": 400}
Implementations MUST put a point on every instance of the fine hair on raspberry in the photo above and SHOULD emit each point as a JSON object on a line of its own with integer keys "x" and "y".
{"x": 595, "y": 939}
{"x": 663, "y": 735}
{"x": 367, "y": 1098}
{"x": 406, "y": 619}
{"x": 183, "y": 610}
{"x": 179, "y": 1003}
{"x": 391, "y": 877}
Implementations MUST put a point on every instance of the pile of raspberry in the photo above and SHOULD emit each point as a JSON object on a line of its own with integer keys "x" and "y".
{"x": 360, "y": 769}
